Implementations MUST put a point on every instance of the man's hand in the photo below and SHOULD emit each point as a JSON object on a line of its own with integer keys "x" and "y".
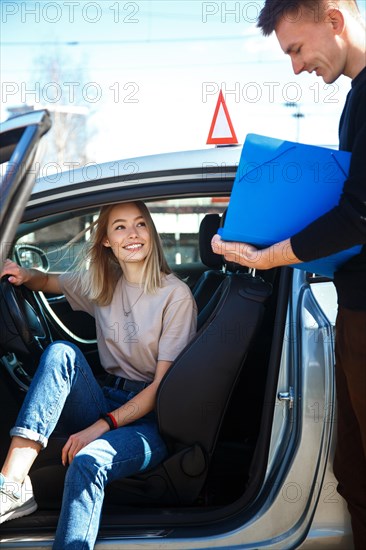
{"x": 250, "y": 256}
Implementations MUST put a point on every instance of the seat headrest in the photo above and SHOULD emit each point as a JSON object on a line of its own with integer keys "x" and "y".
{"x": 208, "y": 228}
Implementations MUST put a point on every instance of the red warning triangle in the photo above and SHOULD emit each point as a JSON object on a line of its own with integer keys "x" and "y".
{"x": 222, "y": 131}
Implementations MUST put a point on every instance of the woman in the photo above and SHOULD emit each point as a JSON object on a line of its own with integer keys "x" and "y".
{"x": 144, "y": 317}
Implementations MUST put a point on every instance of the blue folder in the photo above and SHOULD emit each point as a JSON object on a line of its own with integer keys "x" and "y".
{"x": 282, "y": 186}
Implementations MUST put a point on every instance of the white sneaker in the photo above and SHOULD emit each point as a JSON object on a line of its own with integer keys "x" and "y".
{"x": 16, "y": 500}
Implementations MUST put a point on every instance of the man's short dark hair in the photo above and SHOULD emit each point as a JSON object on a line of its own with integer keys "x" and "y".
{"x": 274, "y": 10}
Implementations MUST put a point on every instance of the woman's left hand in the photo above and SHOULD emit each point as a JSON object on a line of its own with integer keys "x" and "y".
{"x": 79, "y": 440}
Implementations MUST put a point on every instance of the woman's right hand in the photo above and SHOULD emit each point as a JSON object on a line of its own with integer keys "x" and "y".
{"x": 17, "y": 275}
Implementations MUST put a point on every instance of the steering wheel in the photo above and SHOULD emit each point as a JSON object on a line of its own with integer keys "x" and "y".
{"x": 25, "y": 331}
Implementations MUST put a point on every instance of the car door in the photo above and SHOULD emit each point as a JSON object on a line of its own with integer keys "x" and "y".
{"x": 303, "y": 432}
{"x": 19, "y": 141}
{"x": 19, "y": 144}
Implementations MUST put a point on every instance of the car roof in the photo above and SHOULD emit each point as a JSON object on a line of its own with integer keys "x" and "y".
{"x": 132, "y": 169}
{"x": 184, "y": 172}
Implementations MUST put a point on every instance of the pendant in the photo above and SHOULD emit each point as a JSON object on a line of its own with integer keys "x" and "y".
{"x": 126, "y": 313}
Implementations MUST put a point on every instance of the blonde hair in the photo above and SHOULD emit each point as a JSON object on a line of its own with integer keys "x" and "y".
{"x": 100, "y": 270}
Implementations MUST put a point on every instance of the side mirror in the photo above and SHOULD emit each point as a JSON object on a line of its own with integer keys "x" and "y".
{"x": 30, "y": 256}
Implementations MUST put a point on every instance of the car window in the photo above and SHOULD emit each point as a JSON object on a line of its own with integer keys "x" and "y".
{"x": 326, "y": 296}
{"x": 54, "y": 247}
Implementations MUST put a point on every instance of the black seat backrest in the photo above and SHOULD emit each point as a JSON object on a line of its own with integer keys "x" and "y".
{"x": 193, "y": 396}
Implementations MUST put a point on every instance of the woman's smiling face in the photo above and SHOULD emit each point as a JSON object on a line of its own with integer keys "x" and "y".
{"x": 127, "y": 233}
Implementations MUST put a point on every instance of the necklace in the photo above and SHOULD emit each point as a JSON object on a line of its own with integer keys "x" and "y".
{"x": 126, "y": 311}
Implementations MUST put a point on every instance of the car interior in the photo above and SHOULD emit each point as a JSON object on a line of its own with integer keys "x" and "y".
{"x": 219, "y": 439}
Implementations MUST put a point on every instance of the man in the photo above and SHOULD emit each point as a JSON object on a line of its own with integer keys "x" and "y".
{"x": 328, "y": 37}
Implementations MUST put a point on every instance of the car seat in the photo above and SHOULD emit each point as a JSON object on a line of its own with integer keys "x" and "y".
{"x": 191, "y": 403}
{"x": 195, "y": 392}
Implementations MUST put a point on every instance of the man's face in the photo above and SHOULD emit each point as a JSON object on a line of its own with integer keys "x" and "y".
{"x": 312, "y": 46}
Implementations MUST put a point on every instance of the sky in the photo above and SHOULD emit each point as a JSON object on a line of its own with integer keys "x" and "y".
{"x": 147, "y": 73}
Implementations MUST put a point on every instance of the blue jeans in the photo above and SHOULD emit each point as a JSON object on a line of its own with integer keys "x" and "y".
{"x": 64, "y": 392}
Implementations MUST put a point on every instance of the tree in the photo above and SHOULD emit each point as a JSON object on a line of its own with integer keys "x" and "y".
{"x": 59, "y": 86}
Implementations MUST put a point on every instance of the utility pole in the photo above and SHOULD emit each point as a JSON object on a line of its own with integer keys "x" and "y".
{"x": 297, "y": 115}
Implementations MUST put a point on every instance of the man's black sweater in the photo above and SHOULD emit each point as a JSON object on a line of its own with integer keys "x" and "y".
{"x": 345, "y": 225}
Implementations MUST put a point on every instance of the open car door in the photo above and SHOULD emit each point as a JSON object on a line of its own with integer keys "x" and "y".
{"x": 19, "y": 140}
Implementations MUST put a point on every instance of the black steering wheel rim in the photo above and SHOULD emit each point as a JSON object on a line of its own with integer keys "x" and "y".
{"x": 26, "y": 331}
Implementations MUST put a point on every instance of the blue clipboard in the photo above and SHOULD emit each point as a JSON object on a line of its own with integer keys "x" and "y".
{"x": 281, "y": 187}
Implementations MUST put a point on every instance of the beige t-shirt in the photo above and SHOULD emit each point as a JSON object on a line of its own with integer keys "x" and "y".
{"x": 159, "y": 326}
